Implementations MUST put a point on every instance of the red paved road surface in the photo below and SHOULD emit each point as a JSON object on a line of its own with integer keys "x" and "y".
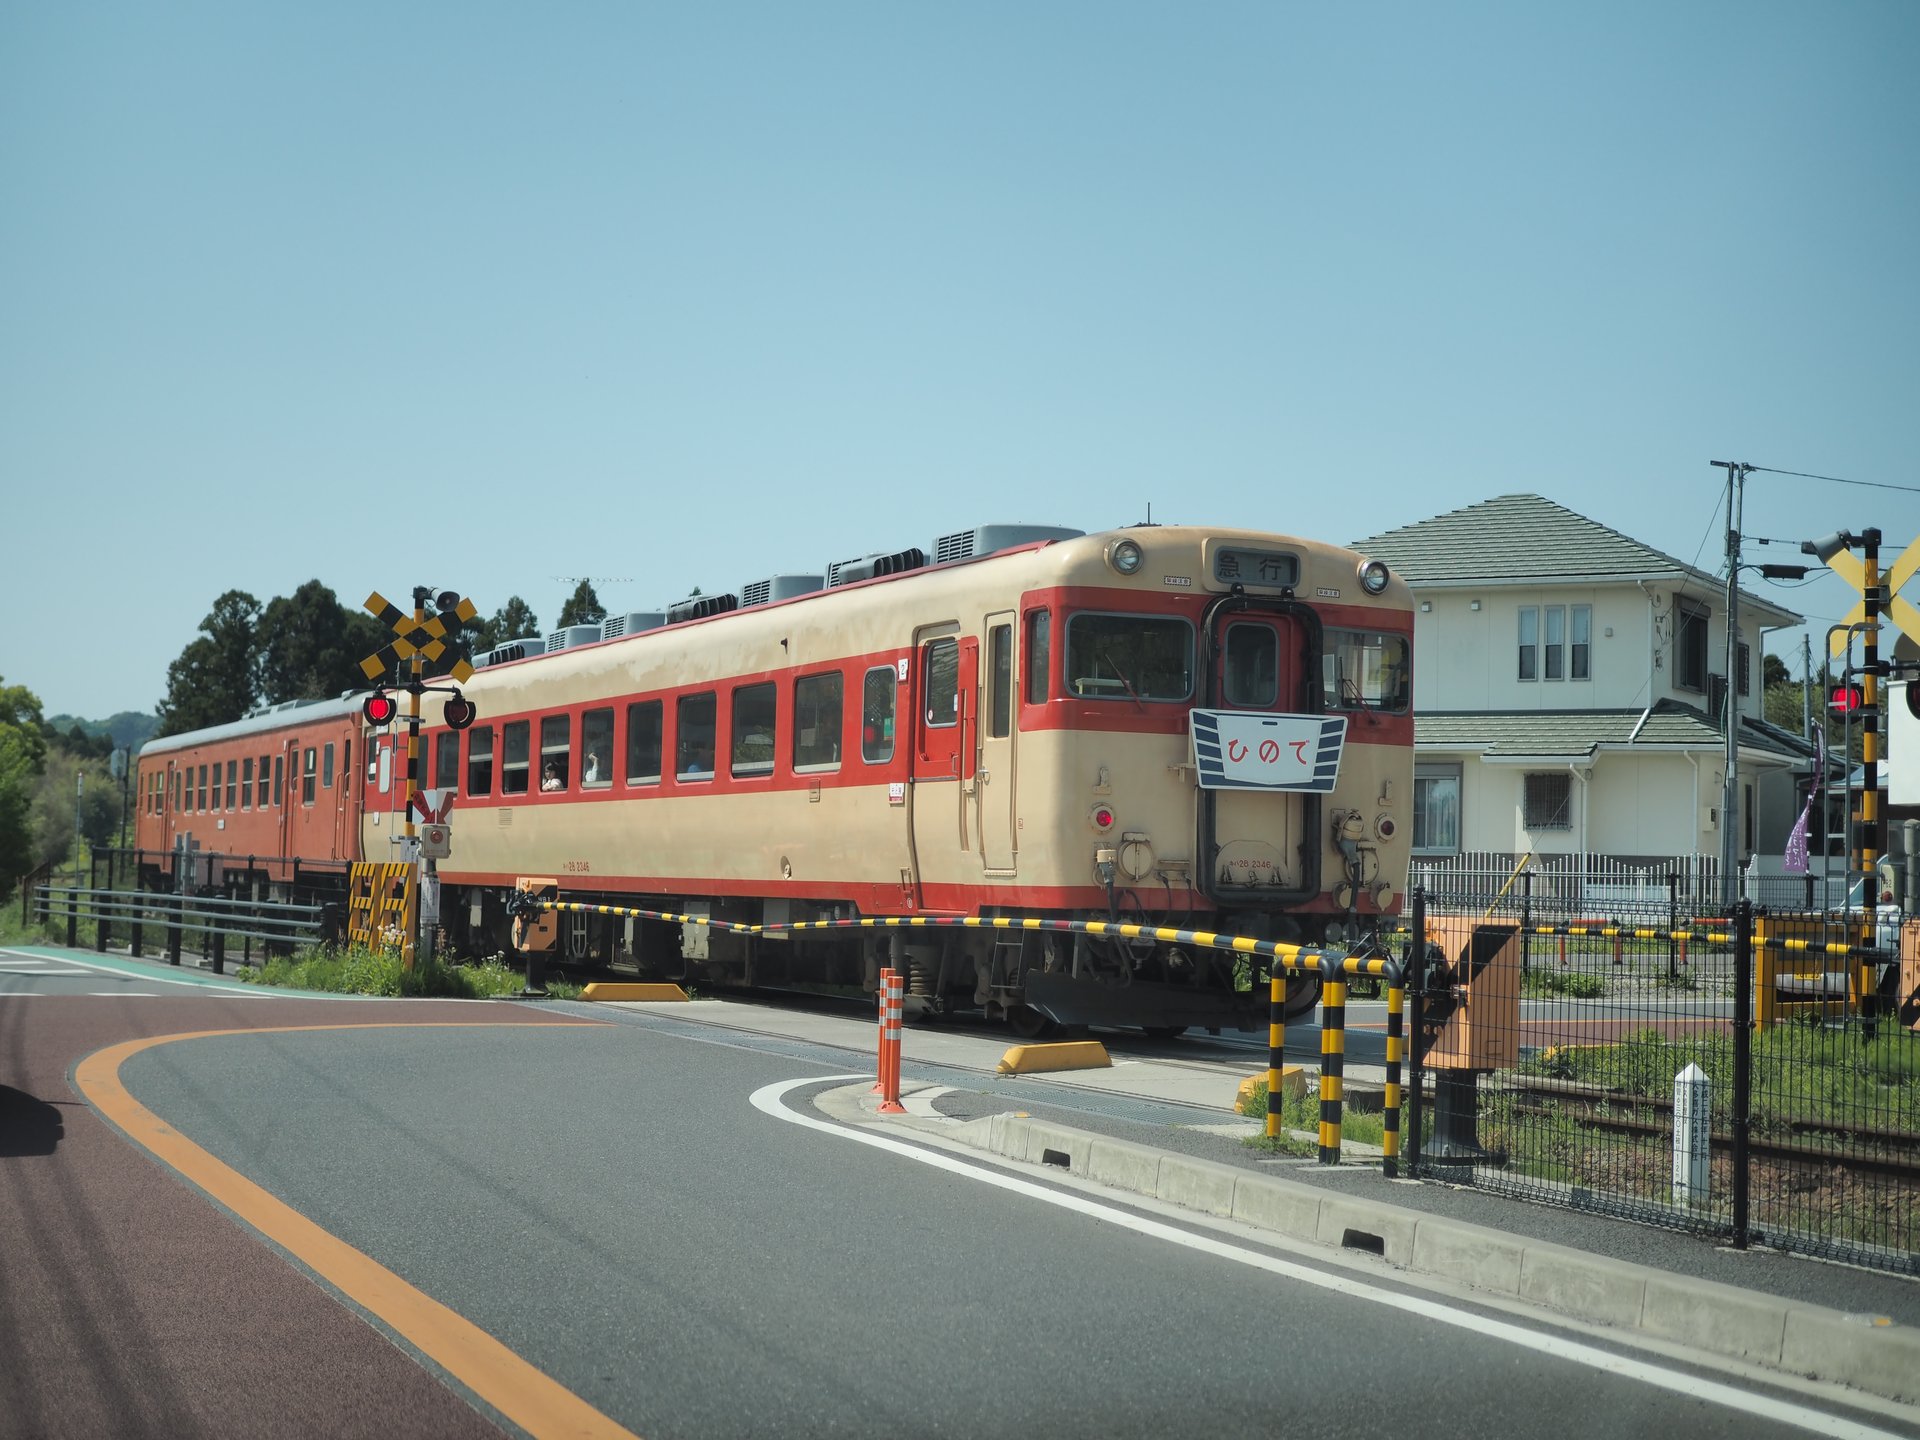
{"x": 130, "y": 1305}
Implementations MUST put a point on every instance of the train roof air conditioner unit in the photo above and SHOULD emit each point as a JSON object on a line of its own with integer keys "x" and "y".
{"x": 778, "y": 587}
{"x": 867, "y": 567}
{"x": 698, "y": 607}
{"x": 631, "y": 623}
{"x": 571, "y": 636}
{"x": 986, "y": 539}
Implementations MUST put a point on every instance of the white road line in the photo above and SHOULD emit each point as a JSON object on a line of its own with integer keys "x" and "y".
{"x": 12, "y": 970}
{"x": 768, "y": 1097}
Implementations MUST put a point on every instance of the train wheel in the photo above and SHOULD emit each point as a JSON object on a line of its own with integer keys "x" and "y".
{"x": 1303, "y": 993}
{"x": 1028, "y": 1023}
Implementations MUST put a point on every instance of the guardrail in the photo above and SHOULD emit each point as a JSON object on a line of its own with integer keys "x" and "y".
{"x": 214, "y": 919}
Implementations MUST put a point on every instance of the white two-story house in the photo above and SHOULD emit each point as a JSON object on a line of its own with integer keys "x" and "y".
{"x": 1567, "y": 691}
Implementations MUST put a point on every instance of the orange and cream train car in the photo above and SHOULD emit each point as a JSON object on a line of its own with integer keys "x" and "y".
{"x": 1204, "y": 729}
{"x": 266, "y": 794}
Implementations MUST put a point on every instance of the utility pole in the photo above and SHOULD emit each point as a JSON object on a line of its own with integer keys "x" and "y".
{"x": 1737, "y": 472}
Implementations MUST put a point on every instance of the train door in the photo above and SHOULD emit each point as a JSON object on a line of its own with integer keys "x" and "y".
{"x": 993, "y": 781}
{"x": 944, "y": 664}
{"x": 1261, "y": 846}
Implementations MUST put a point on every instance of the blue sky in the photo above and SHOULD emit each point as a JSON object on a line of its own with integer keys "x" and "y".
{"x": 483, "y": 296}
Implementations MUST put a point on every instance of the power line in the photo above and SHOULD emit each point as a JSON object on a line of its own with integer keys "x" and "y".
{"x": 1838, "y": 480}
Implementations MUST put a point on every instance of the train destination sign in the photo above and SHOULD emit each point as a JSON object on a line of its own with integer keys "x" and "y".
{"x": 1252, "y": 750}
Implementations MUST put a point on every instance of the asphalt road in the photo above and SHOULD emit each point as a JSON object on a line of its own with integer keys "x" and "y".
{"x": 665, "y": 1225}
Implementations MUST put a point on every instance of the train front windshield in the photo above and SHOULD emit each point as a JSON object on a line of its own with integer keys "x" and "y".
{"x": 1129, "y": 657}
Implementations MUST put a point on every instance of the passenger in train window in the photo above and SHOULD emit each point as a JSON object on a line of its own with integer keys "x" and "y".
{"x": 698, "y": 759}
{"x": 550, "y": 778}
{"x": 590, "y": 773}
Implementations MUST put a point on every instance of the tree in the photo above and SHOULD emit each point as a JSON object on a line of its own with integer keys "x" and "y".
{"x": 512, "y": 621}
{"x": 53, "y": 807}
{"x": 309, "y": 646}
{"x": 583, "y": 607}
{"x": 1773, "y": 671}
{"x": 212, "y": 682}
{"x": 23, "y": 754}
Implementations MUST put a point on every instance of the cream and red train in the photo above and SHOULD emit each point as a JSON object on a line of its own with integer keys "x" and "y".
{"x": 1205, "y": 729}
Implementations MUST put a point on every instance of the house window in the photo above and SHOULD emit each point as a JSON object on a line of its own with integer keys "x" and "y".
{"x": 1529, "y": 643}
{"x": 596, "y": 743}
{"x": 480, "y": 761}
{"x": 643, "y": 742}
{"x": 1580, "y": 651}
{"x": 1436, "y": 809}
{"x": 816, "y": 721}
{"x": 1547, "y": 803}
{"x": 752, "y": 729}
{"x": 1554, "y": 649}
{"x": 1690, "y": 647}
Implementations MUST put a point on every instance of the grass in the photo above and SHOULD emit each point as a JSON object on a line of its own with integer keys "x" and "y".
{"x": 12, "y": 932}
{"x": 1574, "y": 984}
{"x": 356, "y": 970}
{"x": 1302, "y": 1113}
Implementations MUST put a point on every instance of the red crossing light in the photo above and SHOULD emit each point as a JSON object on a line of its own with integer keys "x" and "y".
{"x": 459, "y": 712}
{"x": 380, "y": 708}
{"x": 1846, "y": 700}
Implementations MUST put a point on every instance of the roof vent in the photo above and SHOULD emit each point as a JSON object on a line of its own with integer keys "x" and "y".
{"x": 631, "y": 624}
{"x": 867, "y": 567}
{"x": 987, "y": 539}
{"x": 512, "y": 650}
{"x": 698, "y": 607}
{"x": 573, "y": 635}
{"x": 778, "y": 587}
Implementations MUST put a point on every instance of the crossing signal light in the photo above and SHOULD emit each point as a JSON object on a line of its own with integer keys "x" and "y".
{"x": 380, "y": 708}
{"x": 1846, "y": 700}
{"x": 459, "y": 712}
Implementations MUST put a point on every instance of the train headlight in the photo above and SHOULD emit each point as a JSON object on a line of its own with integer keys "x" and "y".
{"x": 1373, "y": 576}
{"x": 1126, "y": 557}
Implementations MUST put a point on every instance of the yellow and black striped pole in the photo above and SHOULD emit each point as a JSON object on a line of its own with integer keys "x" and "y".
{"x": 1390, "y": 1117}
{"x": 1333, "y": 1056}
{"x": 1866, "y": 845}
{"x": 1276, "y": 1045}
{"x": 410, "y": 927}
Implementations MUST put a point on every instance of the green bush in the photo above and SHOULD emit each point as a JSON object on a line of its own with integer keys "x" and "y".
{"x": 356, "y": 970}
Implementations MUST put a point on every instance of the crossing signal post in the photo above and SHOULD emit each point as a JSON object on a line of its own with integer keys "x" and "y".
{"x": 427, "y": 648}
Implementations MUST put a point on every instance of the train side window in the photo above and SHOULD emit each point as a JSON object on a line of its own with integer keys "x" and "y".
{"x": 940, "y": 673}
{"x": 876, "y": 715}
{"x": 1039, "y": 650}
{"x": 264, "y": 763}
{"x": 1000, "y": 681}
{"x": 326, "y": 767}
{"x": 480, "y": 761}
{"x": 446, "y": 760}
{"x": 246, "y": 783}
{"x": 309, "y": 772}
{"x": 556, "y": 752}
{"x": 202, "y": 806}
{"x": 1251, "y": 675}
{"x": 644, "y": 723}
{"x": 752, "y": 729}
{"x": 694, "y": 723}
{"x": 816, "y": 721}
{"x": 596, "y": 747}
{"x": 233, "y": 784}
{"x": 515, "y": 737}
{"x": 279, "y": 774}
{"x": 215, "y": 804}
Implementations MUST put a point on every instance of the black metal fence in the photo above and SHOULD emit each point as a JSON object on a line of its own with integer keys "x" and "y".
{"x": 215, "y": 927}
{"x": 1754, "y": 1076}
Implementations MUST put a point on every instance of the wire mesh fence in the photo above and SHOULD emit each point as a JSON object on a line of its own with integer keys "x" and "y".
{"x": 1754, "y": 1076}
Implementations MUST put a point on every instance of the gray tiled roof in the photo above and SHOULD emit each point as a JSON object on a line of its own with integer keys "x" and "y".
{"x": 1577, "y": 733}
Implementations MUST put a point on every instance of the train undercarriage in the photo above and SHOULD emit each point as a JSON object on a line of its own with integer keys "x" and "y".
{"x": 1033, "y": 980}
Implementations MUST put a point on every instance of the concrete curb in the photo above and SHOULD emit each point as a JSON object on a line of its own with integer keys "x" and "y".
{"x": 1869, "y": 1353}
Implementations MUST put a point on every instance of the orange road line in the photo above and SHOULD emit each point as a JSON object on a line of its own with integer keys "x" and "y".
{"x": 526, "y": 1396}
